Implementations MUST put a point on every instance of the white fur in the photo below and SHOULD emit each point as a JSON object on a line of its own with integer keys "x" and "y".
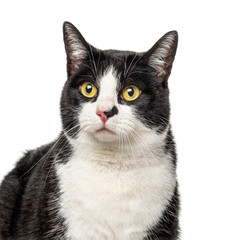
{"x": 116, "y": 184}
{"x": 108, "y": 95}
{"x": 158, "y": 58}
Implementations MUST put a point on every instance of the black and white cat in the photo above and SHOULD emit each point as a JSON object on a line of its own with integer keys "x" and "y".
{"x": 111, "y": 174}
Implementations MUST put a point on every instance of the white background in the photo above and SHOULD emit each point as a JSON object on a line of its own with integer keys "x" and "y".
{"x": 33, "y": 71}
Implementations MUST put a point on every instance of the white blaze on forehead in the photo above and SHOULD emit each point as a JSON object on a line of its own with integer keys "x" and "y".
{"x": 108, "y": 93}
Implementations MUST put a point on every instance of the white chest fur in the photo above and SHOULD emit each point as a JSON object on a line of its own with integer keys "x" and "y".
{"x": 101, "y": 202}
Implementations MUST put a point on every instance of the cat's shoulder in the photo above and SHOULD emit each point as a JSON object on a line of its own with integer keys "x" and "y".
{"x": 32, "y": 157}
{"x": 14, "y": 184}
{"x": 27, "y": 162}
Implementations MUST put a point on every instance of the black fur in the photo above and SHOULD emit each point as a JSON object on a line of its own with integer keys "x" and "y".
{"x": 111, "y": 113}
{"x": 28, "y": 197}
{"x": 29, "y": 194}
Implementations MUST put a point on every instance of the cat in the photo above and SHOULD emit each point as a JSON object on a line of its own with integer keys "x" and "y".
{"x": 111, "y": 173}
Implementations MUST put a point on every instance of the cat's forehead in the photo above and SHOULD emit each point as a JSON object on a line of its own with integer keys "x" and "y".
{"x": 115, "y": 66}
{"x": 109, "y": 81}
{"x": 123, "y": 59}
{"x": 119, "y": 59}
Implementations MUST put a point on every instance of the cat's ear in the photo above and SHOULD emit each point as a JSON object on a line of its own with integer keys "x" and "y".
{"x": 162, "y": 54}
{"x": 76, "y": 47}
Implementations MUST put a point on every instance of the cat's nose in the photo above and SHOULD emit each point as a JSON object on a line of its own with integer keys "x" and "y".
{"x": 105, "y": 115}
{"x": 111, "y": 113}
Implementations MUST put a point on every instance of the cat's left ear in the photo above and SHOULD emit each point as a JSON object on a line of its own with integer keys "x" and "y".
{"x": 76, "y": 47}
{"x": 162, "y": 54}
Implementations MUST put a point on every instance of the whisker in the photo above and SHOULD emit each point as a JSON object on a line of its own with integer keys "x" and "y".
{"x": 98, "y": 60}
{"x": 125, "y": 65}
{"x": 47, "y": 154}
{"x": 142, "y": 145}
{"x": 86, "y": 65}
{"x": 130, "y": 68}
{"x": 55, "y": 160}
{"x": 131, "y": 64}
{"x": 140, "y": 72}
{"x": 93, "y": 60}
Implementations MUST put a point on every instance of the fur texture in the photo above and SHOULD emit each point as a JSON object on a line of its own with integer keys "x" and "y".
{"x": 111, "y": 174}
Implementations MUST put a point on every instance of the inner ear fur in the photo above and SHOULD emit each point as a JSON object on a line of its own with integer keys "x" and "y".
{"x": 162, "y": 55}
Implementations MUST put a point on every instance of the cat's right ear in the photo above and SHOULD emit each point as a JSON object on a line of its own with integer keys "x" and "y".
{"x": 76, "y": 47}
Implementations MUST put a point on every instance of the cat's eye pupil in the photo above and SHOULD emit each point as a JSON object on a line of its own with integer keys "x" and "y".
{"x": 130, "y": 92}
{"x": 89, "y": 88}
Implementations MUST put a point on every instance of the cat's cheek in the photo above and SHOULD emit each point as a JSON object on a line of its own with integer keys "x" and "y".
{"x": 88, "y": 119}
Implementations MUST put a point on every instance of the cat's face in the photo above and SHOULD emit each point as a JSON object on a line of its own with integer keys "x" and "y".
{"x": 114, "y": 96}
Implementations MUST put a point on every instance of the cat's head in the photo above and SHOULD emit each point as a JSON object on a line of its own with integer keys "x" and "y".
{"x": 113, "y": 96}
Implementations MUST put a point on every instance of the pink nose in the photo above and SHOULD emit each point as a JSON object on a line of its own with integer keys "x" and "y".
{"x": 103, "y": 117}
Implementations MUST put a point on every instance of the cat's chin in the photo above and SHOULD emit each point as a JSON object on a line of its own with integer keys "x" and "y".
{"x": 105, "y": 135}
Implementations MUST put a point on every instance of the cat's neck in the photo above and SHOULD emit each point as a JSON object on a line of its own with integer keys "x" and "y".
{"x": 146, "y": 150}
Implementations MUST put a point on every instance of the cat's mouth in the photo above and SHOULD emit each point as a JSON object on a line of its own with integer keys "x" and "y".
{"x": 105, "y": 130}
{"x": 105, "y": 135}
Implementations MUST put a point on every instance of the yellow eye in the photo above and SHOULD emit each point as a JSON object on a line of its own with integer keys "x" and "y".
{"x": 88, "y": 90}
{"x": 130, "y": 93}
